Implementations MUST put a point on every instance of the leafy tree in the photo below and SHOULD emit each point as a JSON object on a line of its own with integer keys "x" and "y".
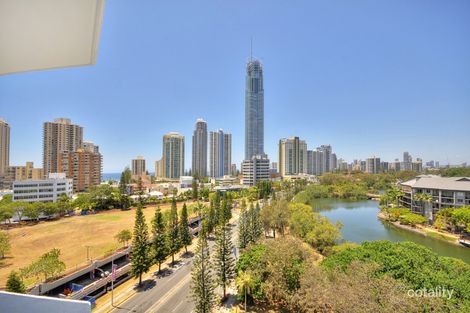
{"x": 141, "y": 261}
{"x": 5, "y": 245}
{"x": 275, "y": 217}
{"x": 185, "y": 233}
{"x": 32, "y": 210}
{"x": 64, "y": 205}
{"x": 276, "y": 268}
{"x": 49, "y": 265}
{"x": 174, "y": 242}
{"x": 461, "y": 217}
{"x": 224, "y": 261}
{"x": 312, "y": 227}
{"x": 415, "y": 265}
{"x": 361, "y": 291}
{"x": 202, "y": 281}
{"x": 15, "y": 283}
{"x": 6, "y": 212}
{"x": 159, "y": 241}
{"x": 124, "y": 236}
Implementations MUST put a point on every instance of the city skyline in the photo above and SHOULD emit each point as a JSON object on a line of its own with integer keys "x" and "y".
{"x": 390, "y": 97}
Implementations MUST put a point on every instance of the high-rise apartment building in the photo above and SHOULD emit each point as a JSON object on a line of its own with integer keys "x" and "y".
{"x": 292, "y": 156}
{"x": 171, "y": 165}
{"x": 333, "y": 162}
{"x": 199, "y": 164}
{"x": 324, "y": 159}
{"x": 84, "y": 166}
{"x": 311, "y": 162}
{"x": 373, "y": 165}
{"x": 254, "y": 110}
{"x": 138, "y": 167}
{"x": 407, "y": 162}
{"x": 220, "y": 153}
{"x": 4, "y": 147}
{"x": 59, "y": 136}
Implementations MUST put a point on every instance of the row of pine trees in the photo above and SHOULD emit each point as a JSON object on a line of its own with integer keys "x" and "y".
{"x": 167, "y": 239}
{"x": 219, "y": 271}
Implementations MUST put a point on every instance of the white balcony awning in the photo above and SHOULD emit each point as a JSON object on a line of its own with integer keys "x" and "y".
{"x": 45, "y": 34}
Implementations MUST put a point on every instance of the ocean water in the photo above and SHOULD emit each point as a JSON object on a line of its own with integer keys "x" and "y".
{"x": 111, "y": 176}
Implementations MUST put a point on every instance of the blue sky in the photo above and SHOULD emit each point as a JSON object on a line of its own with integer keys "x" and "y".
{"x": 367, "y": 77}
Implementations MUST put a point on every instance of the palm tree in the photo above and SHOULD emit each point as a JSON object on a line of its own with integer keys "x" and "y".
{"x": 425, "y": 199}
{"x": 244, "y": 282}
{"x": 199, "y": 208}
{"x": 395, "y": 195}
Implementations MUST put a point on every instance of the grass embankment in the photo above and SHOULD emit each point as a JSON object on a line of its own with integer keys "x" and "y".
{"x": 71, "y": 235}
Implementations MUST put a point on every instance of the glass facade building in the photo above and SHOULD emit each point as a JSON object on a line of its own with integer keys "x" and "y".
{"x": 254, "y": 110}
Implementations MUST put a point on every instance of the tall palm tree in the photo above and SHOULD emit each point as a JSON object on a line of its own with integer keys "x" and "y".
{"x": 244, "y": 282}
{"x": 199, "y": 208}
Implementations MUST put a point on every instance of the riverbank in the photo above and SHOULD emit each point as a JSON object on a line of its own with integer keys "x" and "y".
{"x": 424, "y": 230}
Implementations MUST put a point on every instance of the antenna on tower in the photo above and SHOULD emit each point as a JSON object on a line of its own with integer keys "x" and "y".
{"x": 251, "y": 49}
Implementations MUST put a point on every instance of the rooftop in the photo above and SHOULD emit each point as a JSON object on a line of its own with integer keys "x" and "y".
{"x": 438, "y": 182}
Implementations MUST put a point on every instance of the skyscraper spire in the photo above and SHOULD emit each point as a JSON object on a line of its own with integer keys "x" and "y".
{"x": 251, "y": 49}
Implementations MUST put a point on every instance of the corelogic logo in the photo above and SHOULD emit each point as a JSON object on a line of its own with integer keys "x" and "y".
{"x": 437, "y": 292}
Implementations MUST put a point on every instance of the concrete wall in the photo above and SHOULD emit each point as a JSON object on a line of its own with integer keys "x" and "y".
{"x": 19, "y": 303}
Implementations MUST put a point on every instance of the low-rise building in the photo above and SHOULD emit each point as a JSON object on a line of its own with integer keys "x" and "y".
{"x": 445, "y": 192}
{"x": 43, "y": 190}
{"x": 255, "y": 169}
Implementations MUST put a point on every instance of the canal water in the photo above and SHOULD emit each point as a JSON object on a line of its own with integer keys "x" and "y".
{"x": 361, "y": 224}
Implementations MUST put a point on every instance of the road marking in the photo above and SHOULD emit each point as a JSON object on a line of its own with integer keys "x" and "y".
{"x": 168, "y": 294}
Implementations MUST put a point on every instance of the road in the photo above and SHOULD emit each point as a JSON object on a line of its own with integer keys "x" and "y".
{"x": 170, "y": 293}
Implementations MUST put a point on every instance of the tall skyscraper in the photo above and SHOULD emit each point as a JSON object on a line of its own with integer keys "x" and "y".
{"x": 292, "y": 156}
{"x": 138, "y": 166}
{"x": 220, "y": 153}
{"x": 172, "y": 165}
{"x": 254, "y": 110}
{"x": 199, "y": 164}
{"x": 59, "y": 136}
{"x": 4, "y": 147}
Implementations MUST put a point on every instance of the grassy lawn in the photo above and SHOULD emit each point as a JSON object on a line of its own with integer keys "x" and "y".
{"x": 71, "y": 235}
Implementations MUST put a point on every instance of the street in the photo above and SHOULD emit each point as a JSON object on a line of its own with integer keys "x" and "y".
{"x": 169, "y": 293}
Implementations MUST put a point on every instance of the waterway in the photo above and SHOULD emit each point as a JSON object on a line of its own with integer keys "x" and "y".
{"x": 361, "y": 224}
